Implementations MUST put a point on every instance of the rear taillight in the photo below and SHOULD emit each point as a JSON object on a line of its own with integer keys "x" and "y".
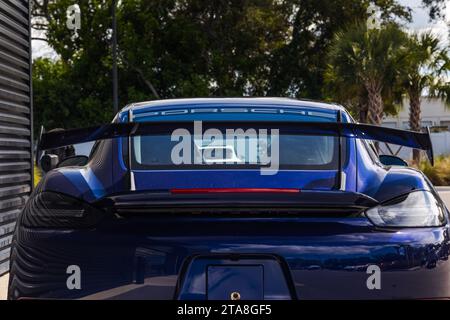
{"x": 417, "y": 209}
{"x": 55, "y": 210}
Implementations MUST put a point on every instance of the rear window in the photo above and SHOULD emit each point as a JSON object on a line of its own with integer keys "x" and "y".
{"x": 185, "y": 151}
{"x": 245, "y": 149}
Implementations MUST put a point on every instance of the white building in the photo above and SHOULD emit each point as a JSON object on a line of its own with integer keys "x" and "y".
{"x": 434, "y": 114}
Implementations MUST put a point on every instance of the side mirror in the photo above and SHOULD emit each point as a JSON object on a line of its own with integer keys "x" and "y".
{"x": 49, "y": 162}
{"x": 73, "y": 161}
{"x": 389, "y": 160}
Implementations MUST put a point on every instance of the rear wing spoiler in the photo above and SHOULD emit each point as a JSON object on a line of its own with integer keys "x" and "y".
{"x": 417, "y": 140}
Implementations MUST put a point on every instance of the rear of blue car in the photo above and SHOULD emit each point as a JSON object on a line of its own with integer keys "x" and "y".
{"x": 194, "y": 215}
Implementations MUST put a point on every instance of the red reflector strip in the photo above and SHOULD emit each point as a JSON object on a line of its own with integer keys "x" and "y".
{"x": 234, "y": 190}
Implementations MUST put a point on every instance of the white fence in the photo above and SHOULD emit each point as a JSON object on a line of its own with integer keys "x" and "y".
{"x": 441, "y": 146}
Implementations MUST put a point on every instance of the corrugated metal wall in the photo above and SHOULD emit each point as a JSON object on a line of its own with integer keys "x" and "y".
{"x": 15, "y": 118}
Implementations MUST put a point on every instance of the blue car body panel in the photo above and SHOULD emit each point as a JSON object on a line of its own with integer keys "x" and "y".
{"x": 204, "y": 257}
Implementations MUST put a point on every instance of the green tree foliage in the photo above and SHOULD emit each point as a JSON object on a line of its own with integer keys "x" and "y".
{"x": 75, "y": 90}
{"x": 368, "y": 63}
{"x": 186, "y": 48}
{"x": 201, "y": 48}
{"x": 59, "y": 99}
{"x": 298, "y": 67}
{"x": 424, "y": 68}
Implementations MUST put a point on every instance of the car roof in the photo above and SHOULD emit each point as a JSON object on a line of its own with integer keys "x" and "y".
{"x": 224, "y": 102}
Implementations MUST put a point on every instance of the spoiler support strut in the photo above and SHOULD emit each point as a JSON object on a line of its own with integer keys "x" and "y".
{"x": 340, "y": 179}
{"x": 130, "y": 157}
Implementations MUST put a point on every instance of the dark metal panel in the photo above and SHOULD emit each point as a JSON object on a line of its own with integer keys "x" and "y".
{"x": 12, "y": 24}
{"x": 14, "y": 142}
{"x": 11, "y": 83}
{"x": 4, "y": 254}
{"x": 12, "y": 48}
{"x": 30, "y": 83}
{"x": 13, "y": 71}
{"x": 14, "y": 107}
{"x": 13, "y": 190}
{"x": 20, "y": 5}
{"x": 4, "y": 257}
{"x": 4, "y": 267}
{"x": 15, "y": 36}
{"x": 14, "y": 61}
{"x": 6, "y": 7}
{"x": 7, "y": 167}
{"x": 15, "y": 178}
{"x": 12, "y": 203}
{"x": 16, "y": 134}
{"x": 10, "y": 215}
{"x": 14, "y": 130}
{"x": 11, "y": 118}
{"x": 5, "y": 241}
{"x": 7, "y": 228}
{"x": 11, "y": 95}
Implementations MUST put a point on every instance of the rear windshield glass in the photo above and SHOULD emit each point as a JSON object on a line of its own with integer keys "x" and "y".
{"x": 185, "y": 151}
{"x": 245, "y": 149}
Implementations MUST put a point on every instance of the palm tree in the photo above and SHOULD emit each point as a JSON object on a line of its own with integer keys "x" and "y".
{"x": 353, "y": 96}
{"x": 423, "y": 69}
{"x": 366, "y": 61}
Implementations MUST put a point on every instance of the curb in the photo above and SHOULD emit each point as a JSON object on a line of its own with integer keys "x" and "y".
{"x": 4, "y": 286}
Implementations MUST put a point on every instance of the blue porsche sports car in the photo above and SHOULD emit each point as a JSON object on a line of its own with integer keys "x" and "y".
{"x": 234, "y": 198}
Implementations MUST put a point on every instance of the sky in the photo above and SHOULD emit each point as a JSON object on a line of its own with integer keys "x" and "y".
{"x": 420, "y": 23}
{"x": 421, "y": 19}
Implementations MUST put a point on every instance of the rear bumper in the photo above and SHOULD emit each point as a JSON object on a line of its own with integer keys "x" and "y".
{"x": 167, "y": 259}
